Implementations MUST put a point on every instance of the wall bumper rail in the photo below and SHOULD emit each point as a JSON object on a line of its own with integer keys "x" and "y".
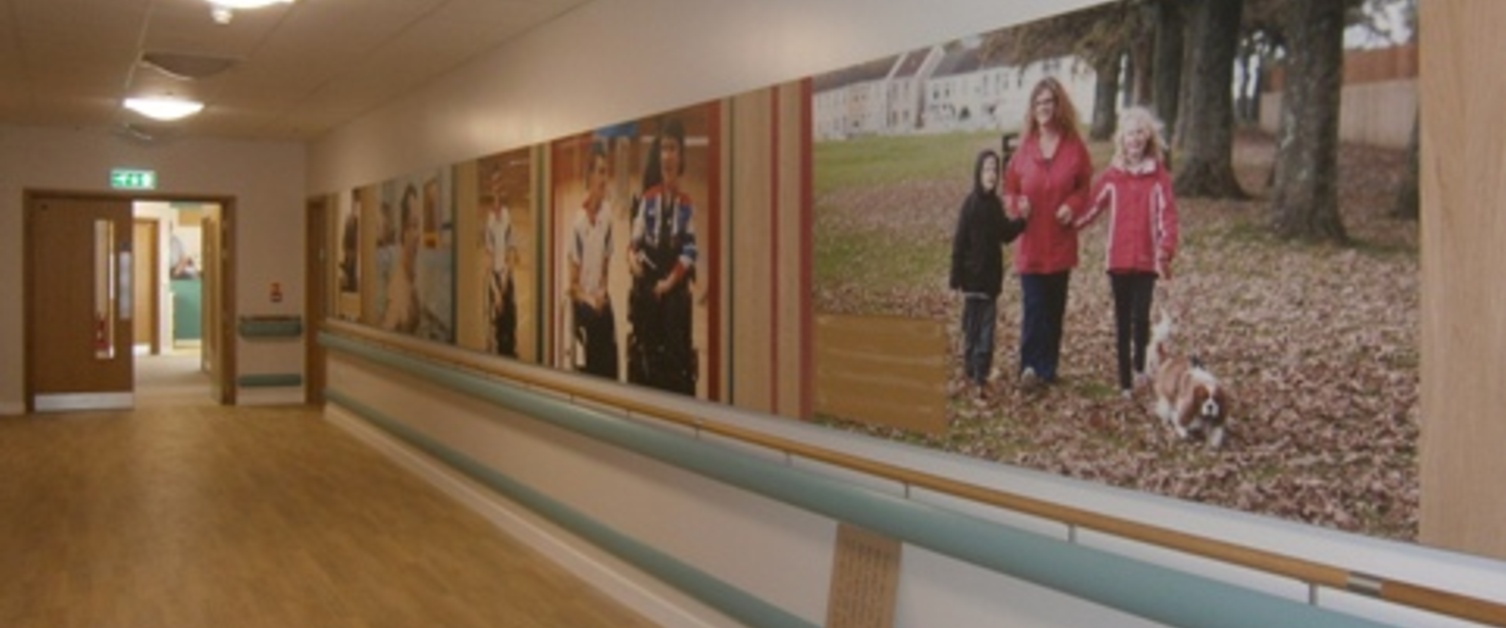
{"x": 270, "y": 326}
{"x": 1144, "y": 589}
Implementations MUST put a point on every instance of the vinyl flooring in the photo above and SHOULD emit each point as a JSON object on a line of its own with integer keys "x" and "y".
{"x": 186, "y": 514}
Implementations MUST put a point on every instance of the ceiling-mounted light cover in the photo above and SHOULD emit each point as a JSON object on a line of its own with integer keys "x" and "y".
{"x": 164, "y": 108}
{"x": 186, "y": 66}
{"x": 246, "y": 4}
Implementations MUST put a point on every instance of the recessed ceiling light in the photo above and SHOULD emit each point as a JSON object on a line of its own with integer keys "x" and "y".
{"x": 164, "y": 107}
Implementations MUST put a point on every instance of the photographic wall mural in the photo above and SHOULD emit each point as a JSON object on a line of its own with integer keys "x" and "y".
{"x": 634, "y": 225}
{"x": 997, "y": 228}
{"x": 414, "y": 257}
{"x": 499, "y": 263}
{"x": 1150, "y": 302}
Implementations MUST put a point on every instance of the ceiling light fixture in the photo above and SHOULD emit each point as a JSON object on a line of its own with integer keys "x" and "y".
{"x": 164, "y": 107}
{"x": 224, "y": 10}
{"x": 185, "y": 66}
{"x": 247, "y": 4}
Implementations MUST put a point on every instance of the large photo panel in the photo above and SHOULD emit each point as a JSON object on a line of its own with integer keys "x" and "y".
{"x": 498, "y": 276}
{"x": 1003, "y": 223}
{"x": 347, "y": 238}
{"x": 634, "y": 216}
{"x": 415, "y": 257}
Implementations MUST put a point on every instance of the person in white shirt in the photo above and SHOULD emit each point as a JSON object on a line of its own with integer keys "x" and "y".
{"x": 590, "y": 255}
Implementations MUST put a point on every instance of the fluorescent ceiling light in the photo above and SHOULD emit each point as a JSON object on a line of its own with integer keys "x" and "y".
{"x": 164, "y": 107}
{"x": 246, "y": 4}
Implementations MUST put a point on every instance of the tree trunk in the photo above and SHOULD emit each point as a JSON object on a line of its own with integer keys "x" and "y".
{"x": 1207, "y": 168}
{"x": 1306, "y": 200}
{"x": 1408, "y": 197}
{"x": 1105, "y": 95}
{"x": 1142, "y": 50}
{"x": 1165, "y": 91}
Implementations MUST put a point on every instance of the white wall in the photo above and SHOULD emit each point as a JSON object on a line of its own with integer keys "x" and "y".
{"x": 608, "y": 62}
{"x": 265, "y": 178}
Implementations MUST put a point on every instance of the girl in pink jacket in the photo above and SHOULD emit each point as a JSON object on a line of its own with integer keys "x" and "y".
{"x": 1136, "y": 190}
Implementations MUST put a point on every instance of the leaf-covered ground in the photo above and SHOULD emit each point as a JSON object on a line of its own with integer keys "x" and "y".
{"x": 1319, "y": 343}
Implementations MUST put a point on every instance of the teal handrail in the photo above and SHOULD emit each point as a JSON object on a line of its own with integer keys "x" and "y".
{"x": 1151, "y": 591}
{"x": 715, "y": 593}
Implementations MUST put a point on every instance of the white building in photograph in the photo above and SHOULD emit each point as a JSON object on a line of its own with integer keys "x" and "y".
{"x": 936, "y": 90}
{"x": 881, "y": 97}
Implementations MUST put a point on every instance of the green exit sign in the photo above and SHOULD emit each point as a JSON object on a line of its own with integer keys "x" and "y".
{"x": 132, "y": 179}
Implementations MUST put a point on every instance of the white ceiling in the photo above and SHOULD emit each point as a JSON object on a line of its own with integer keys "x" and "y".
{"x": 299, "y": 70}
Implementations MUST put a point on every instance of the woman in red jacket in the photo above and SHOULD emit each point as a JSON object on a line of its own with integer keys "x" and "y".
{"x": 1136, "y": 190}
{"x": 1048, "y": 176}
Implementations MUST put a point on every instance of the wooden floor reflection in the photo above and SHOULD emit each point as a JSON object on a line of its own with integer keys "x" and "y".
{"x": 197, "y": 515}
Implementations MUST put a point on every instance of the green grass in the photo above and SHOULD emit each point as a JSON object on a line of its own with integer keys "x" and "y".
{"x": 871, "y": 160}
{"x": 877, "y": 260}
{"x": 878, "y": 159}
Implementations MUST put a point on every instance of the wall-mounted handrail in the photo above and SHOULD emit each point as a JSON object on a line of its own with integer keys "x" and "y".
{"x": 1392, "y": 590}
{"x": 1148, "y": 590}
{"x": 714, "y": 592}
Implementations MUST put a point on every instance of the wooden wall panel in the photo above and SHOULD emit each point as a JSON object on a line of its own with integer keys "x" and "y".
{"x": 750, "y": 315}
{"x": 372, "y": 224}
{"x": 528, "y": 276}
{"x": 769, "y": 304}
{"x": 1463, "y": 289}
{"x": 883, "y": 370}
{"x": 470, "y": 262}
{"x": 793, "y": 258}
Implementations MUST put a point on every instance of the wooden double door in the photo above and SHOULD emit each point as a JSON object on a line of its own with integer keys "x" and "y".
{"x": 79, "y": 315}
{"x": 80, "y": 292}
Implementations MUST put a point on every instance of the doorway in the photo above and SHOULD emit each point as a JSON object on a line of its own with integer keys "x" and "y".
{"x": 146, "y": 319}
{"x": 171, "y": 317}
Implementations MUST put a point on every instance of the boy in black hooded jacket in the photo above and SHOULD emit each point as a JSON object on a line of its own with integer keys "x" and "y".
{"x": 978, "y": 265}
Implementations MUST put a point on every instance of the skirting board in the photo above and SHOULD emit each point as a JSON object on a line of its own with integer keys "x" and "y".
{"x": 255, "y": 396}
{"x": 604, "y": 572}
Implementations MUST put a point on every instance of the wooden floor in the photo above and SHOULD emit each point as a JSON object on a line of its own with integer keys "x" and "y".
{"x": 195, "y": 515}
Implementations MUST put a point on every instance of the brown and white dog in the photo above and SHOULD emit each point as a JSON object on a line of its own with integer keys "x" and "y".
{"x": 1189, "y": 399}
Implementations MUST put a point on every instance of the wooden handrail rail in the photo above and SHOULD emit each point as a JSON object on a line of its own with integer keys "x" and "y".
{"x": 1313, "y": 572}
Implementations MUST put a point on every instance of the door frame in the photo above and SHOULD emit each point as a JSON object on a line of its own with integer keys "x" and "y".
{"x": 225, "y": 375}
{"x": 153, "y": 302}
{"x": 316, "y": 300}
